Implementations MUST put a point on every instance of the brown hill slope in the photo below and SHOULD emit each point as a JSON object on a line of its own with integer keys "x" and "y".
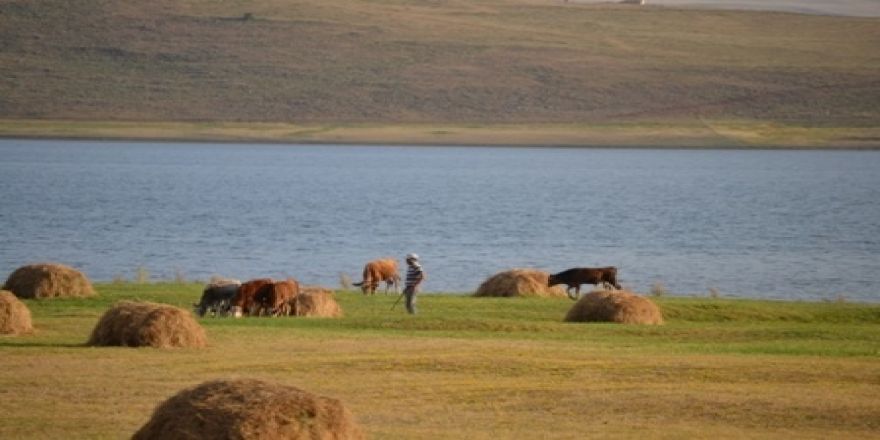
{"x": 439, "y": 61}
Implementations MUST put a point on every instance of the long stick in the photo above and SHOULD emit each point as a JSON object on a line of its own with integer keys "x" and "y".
{"x": 395, "y": 302}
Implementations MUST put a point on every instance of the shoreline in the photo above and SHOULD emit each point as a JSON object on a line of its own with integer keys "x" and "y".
{"x": 436, "y": 145}
{"x": 676, "y": 296}
{"x": 696, "y": 135}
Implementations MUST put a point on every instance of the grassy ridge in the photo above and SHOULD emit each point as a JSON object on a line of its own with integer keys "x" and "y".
{"x": 474, "y": 368}
{"x": 705, "y": 134}
{"x": 403, "y": 62}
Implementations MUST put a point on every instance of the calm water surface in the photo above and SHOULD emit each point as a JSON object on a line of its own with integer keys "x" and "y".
{"x": 770, "y": 224}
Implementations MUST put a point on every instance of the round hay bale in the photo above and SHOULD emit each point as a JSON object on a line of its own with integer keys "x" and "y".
{"x": 15, "y": 318}
{"x": 316, "y": 289}
{"x": 614, "y": 306}
{"x": 317, "y": 303}
{"x": 249, "y": 409}
{"x": 48, "y": 280}
{"x": 519, "y": 282}
{"x": 217, "y": 280}
{"x": 145, "y": 324}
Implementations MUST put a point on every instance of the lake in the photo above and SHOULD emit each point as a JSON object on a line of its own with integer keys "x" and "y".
{"x": 760, "y": 224}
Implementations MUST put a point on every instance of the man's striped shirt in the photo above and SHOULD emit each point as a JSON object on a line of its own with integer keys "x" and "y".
{"x": 414, "y": 274}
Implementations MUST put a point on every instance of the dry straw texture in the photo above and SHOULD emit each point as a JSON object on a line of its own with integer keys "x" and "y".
{"x": 145, "y": 324}
{"x": 614, "y": 306}
{"x": 316, "y": 289}
{"x": 519, "y": 282}
{"x": 217, "y": 280}
{"x": 318, "y": 304}
{"x": 15, "y": 318}
{"x": 48, "y": 280}
{"x": 249, "y": 409}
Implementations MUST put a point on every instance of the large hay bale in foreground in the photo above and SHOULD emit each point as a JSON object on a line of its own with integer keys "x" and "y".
{"x": 15, "y": 318}
{"x": 48, "y": 280}
{"x": 614, "y": 306}
{"x": 519, "y": 282}
{"x": 249, "y": 409}
{"x": 145, "y": 324}
{"x": 317, "y": 303}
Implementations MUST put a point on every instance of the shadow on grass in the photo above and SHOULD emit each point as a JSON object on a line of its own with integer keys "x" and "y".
{"x": 31, "y": 344}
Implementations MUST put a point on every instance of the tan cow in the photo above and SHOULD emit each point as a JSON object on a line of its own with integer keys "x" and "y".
{"x": 377, "y": 271}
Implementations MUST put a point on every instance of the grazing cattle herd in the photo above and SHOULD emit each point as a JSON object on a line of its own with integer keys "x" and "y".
{"x": 259, "y": 297}
{"x": 267, "y": 297}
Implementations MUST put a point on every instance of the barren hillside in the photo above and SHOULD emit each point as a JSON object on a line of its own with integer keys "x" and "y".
{"x": 446, "y": 61}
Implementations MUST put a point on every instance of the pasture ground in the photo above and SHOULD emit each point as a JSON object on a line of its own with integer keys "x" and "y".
{"x": 473, "y": 368}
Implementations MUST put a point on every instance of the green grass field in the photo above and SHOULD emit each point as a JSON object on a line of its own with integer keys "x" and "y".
{"x": 475, "y": 368}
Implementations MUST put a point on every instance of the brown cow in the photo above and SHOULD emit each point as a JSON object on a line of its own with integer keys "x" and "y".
{"x": 274, "y": 299}
{"x": 377, "y": 271}
{"x": 585, "y": 275}
{"x": 243, "y": 301}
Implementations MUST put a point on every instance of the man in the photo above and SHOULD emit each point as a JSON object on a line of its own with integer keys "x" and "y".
{"x": 414, "y": 276}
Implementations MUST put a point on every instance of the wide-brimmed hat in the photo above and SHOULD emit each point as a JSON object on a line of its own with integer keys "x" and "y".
{"x": 412, "y": 256}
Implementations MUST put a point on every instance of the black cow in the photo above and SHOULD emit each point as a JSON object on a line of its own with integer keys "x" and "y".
{"x": 216, "y": 299}
{"x": 585, "y": 275}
